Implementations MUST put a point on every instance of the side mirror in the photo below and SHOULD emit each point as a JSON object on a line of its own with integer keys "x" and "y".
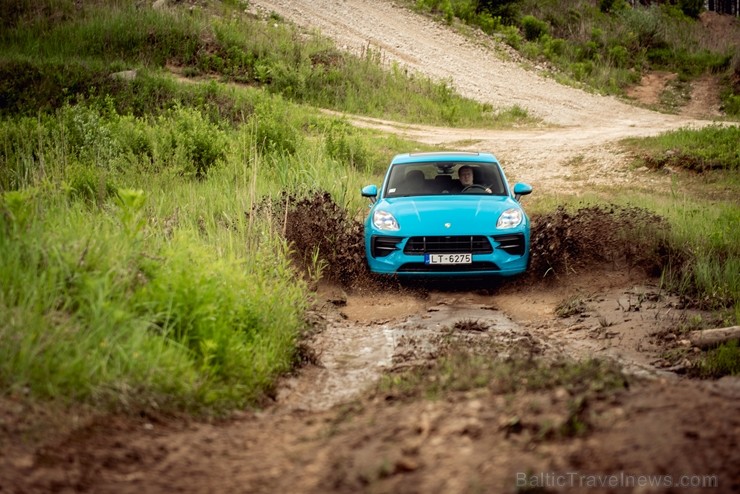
{"x": 521, "y": 189}
{"x": 371, "y": 192}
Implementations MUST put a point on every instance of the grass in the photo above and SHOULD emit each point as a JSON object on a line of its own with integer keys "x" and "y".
{"x": 138, "y": 302}
{"x": 138, "y": 270}
{"x": 705, "y": 243}
{"x": 721, "y": 361}
{"x": 711, "y": 148}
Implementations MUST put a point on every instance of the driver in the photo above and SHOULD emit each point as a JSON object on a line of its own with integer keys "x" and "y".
{"x": 465, "y": 173}
{"x": 466, "y": 176}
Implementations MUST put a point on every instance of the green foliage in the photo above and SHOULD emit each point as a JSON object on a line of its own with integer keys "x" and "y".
{"x": 691, "y": 8}
{"x": 608, "y": 6}
{"x": 512, "y": 36}
{"x": 703, "y": 260}
{"x": 350, "y": 148}
{"x": 731, "y": 105}
{"x": 199, "y": 144}
{"x": 721, "y": 361}
{"x": 91, "y": 312}
{"x": 50, "y": 65}
{"x": 711, "y": 148}
{"x": 237, "y": 330}
{"x": 533, "y": 27}
{"x": 507, "y": 10}
{"x": 89, "y": 184}
{"x": 619, "y": 56}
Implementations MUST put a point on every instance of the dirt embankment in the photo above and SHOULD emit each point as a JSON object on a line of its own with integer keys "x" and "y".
{"x": 335, "y": 428}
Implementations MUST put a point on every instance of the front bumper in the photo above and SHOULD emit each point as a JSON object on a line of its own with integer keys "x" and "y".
{"x": 500, "y": 254}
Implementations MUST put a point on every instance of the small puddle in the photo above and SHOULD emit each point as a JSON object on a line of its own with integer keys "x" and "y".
{"x": 354, "y": 355}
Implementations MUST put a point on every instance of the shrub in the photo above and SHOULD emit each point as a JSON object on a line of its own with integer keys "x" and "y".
{"x": 199, "y": 144}
{"x": 582, "y": 70}
{"x": 271, "y": 130}
{"x": 512, "y": 36}
{"x": 619, "y": 56}
{"x": 533, "y": 27}
{"x": 691, "y": 8}
{"x": 731, "y": 105}
{"x": 553, "y": 47}
{"x": 89, "y": 184}
{"x": 643, "y": 26}
{"x": 488, "y": 23}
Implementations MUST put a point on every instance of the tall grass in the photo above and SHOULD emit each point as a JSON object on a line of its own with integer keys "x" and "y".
{"x": 169, "y": 298}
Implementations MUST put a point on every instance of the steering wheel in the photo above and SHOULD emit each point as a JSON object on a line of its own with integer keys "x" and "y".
{"x": 485, "y": 188}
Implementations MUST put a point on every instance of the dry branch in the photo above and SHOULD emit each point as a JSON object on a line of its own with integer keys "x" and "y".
{"x": 708, "y": 338}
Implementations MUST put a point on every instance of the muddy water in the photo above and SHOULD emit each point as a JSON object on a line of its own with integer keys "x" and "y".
{"x": 353, "y": 354}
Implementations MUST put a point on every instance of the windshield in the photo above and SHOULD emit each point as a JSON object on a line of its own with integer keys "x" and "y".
{"x": 437, "y": 178}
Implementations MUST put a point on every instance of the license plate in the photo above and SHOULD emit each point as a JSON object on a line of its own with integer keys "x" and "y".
{"x": 448, "y": 258}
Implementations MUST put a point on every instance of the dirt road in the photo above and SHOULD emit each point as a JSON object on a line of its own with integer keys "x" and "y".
{"x": 333, "y": 428}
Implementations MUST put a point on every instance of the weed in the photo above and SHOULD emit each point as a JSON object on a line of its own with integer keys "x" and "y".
{"x": 572, "y": 306}
{"x": 721, "y": 361}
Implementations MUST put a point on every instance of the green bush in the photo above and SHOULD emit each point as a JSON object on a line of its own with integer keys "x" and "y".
{"x": 199, "y": 144}
{"x": 731, "y": 104}
{"x": 553, "y": 47}
{"x": 619, "y": 56}
{"x": 582, "y": 70}
{"x": 512, "y": 36}
{"x": 89, "y": 184}
{"x": 643, "y": 24}
{"x": 533, "y": 27}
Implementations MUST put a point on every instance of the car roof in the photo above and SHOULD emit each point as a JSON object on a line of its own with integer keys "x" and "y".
{"x": 454, "y": 156}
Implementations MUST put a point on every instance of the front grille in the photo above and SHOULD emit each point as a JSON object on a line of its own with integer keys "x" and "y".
{"x": 383, "y": 246}
{"x": 463, "y": 244}
{"x": 420, "y": 267}
{"x": 511, "y": 244}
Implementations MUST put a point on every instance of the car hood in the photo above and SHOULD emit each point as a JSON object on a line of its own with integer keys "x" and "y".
{"x": 448, "y": 215}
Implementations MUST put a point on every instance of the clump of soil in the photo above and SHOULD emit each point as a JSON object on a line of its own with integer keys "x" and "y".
{"x": 320, "y": 230}
{"x": 563, "y": 241}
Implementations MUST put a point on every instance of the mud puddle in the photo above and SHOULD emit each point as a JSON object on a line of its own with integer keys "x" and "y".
{"x": 373, "y": 334}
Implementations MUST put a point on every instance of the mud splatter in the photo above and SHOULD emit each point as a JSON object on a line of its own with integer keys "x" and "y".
{"x": 564, "y": 241}
{"x": 317, "y": 224}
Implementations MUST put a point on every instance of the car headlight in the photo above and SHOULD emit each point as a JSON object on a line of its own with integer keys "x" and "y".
{"x": 383, "y": 220}
{"x": 509, "y": 218}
